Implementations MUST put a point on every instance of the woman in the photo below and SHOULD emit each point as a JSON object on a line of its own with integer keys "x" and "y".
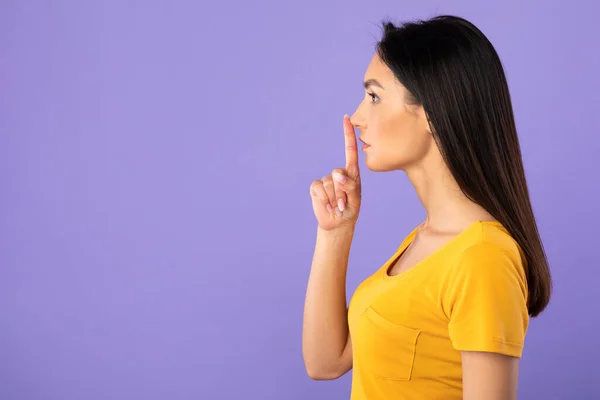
{"x": 446, "y": 316}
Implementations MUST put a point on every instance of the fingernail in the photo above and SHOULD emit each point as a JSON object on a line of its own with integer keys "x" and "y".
{"x": 329, "y": 207}
{"x": 339, "y": 177}
{"x": 341, "y": 204}
{"x": 338, "y": 212}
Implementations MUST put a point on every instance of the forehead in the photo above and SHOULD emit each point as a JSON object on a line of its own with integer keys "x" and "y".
{"x": 378, "y": 70}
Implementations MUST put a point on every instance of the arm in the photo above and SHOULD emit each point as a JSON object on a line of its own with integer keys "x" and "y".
{"x": 487, "y": 305}
{"x": 489, "y": 376}
{"x": 326, "y": 345}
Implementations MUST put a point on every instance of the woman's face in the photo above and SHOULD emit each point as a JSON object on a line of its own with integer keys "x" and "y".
{"x": 397, "y": 132}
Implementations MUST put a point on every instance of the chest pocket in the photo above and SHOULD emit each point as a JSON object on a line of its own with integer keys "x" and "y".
{"x": 385, "y": 349}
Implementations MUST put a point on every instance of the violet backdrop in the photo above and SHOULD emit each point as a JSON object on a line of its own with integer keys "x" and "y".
{"x": 156, "y": 230}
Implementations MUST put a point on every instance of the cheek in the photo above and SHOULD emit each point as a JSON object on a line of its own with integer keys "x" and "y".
{"x": 381, "y": 129}
{"x": 399, "y": 139}
{"x": 393, "y": 129}
{"x": 388, "y": 132}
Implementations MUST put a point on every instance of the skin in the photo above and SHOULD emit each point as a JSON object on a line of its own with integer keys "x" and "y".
{"x": 399, "y": 138}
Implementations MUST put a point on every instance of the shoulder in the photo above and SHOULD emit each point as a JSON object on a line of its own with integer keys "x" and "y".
{"x": 491, "y": 246}
{"x": 486, "y": 297}
{"x": 492, "y": 254}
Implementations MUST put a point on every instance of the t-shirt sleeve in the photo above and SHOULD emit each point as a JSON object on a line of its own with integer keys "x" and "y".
{"x": 487, "y": 301}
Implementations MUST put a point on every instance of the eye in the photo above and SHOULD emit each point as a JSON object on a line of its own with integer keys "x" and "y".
{"x": 374, "y": 97}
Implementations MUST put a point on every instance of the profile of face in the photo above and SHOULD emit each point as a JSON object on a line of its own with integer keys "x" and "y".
{"x": 397, "y": 133}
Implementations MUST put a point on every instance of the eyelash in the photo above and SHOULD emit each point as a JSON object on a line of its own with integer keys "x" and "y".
{"x": 373, "y": 97}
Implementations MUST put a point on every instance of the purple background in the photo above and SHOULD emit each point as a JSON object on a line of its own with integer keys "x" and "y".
{"x": 156, "y": 230}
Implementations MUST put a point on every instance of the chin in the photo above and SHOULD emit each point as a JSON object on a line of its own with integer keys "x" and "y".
{"x": 378, "y": 165}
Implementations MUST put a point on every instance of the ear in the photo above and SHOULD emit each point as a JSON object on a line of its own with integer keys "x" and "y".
{"x": 424, "y": 119}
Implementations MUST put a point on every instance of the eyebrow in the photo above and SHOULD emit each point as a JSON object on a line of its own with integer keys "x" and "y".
{"x": 373, "y": 82}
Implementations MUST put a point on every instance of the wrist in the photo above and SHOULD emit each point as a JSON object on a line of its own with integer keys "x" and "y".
{"x": 342, "y": 232}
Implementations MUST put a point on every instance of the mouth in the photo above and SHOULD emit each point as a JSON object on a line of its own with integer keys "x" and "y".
{"x": 365, "y": 145}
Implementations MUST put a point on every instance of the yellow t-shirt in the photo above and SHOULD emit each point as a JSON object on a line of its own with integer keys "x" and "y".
{"x": 408, "y": 330}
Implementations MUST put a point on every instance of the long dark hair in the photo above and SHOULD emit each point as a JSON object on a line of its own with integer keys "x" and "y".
{"x": 450, "y": 68}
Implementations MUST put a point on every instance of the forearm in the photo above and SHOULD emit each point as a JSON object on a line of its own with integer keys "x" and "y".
{"x": 325, "y": 328}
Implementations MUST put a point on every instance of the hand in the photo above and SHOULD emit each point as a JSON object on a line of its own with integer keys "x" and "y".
{"x": 336, "y": 197}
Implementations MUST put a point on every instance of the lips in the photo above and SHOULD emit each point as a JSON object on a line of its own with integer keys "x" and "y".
{"x": 365, "y": 145}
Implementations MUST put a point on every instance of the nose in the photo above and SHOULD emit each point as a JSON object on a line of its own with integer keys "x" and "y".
{"x": 357, "y": 121}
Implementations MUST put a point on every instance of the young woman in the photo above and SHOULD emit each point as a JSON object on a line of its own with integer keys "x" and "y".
{"x": 446, "y": 316}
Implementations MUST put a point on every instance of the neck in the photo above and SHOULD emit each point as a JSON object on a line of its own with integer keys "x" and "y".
{"x": 447, "y": 208}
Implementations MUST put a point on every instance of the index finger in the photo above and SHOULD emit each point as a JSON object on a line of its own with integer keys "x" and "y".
{"x": 351, "y": 148}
